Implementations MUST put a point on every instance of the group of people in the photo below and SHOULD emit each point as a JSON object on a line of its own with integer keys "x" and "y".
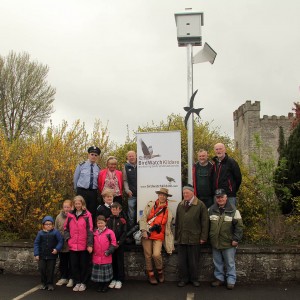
{"x": 85, "y": 229}
{"x": 85, "y": 251}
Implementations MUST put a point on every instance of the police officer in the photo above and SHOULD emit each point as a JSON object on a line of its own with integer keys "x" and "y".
{"x": 85, "y": 180}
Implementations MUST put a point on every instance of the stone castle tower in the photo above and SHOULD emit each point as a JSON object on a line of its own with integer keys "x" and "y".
{"x": 247, "y": 123}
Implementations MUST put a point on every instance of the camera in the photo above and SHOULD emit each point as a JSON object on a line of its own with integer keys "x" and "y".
{"x": 155, "y": 227}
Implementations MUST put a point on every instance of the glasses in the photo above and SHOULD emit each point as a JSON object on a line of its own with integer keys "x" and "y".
{"x": 48, "y": 224}
{"x": 93, "y": 154}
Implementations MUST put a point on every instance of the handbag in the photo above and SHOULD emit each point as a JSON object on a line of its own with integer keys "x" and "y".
{"x": 137, "y": 237}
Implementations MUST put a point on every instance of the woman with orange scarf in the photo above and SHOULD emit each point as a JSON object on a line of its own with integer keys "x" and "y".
{"x": 155, "y": 225}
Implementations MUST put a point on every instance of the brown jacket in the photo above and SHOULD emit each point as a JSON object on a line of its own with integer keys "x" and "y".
{"x": 191, "y": 225}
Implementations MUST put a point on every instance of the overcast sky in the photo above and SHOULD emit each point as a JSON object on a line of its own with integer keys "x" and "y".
{"x": 118, "y": 61}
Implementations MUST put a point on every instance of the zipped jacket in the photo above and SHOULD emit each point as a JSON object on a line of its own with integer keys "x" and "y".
{"x": 45, "y": 242}
{"x": 78, "y": 230}
{"x": 118, "y": 225}
{"x": 226, "y": 175}
{"x": 103, "y": 241}
{"x": 225, "y": 227}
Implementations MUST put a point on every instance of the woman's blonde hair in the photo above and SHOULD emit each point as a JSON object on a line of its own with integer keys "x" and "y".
{"x": 81, "y": 199}
{"x": 107, "y": 192}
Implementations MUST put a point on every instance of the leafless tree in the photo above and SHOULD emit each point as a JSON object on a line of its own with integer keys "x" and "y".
{"x": 25, "y": 96}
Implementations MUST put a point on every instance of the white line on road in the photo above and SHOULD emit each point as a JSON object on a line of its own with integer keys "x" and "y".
{"x": 27, "y": 293}
{"x": 190, "y": 296}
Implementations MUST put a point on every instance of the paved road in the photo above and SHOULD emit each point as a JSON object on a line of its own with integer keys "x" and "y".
{"x": 13, "y": 286}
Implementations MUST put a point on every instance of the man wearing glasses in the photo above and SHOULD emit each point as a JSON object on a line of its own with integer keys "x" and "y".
{"x": 85, "y": 180}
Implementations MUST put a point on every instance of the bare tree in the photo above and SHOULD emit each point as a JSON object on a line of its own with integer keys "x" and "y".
{"x": 25, "y": 96}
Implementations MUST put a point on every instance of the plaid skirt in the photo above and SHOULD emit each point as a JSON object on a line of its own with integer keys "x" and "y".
{"x": 102, "y": 273}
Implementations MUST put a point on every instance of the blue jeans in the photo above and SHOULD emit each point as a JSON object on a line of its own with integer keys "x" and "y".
{"x": 221, "y": 258}
{"x": 132, "y": 209}
{"x": 232, "y": 201}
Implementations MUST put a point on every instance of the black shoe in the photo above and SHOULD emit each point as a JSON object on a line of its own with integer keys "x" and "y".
{"x": 100, "y": 287}
{"x": 50, "y": 287}
{"x": 181, "y": 284}
{"x": 196, "y": 283}
{"x": 104, "y": 288}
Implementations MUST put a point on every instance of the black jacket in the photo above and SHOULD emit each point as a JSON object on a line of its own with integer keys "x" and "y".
{"x": 118, "y": 225}
{"x": 226, "y": 175}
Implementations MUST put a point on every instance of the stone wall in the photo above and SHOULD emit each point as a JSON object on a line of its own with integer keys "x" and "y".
{"x": 254, "y": 264}
{"x": 247, "y": 123}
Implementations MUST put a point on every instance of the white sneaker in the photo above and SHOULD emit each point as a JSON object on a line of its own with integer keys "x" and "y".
{"x": 70, "y": 283}
{"x": 112, "y": 284}
{"x": 82, "y": 287}
{"x": 62, "y": 281}
{"x": 76, "y": 287}
{"x": 118, "y": 285}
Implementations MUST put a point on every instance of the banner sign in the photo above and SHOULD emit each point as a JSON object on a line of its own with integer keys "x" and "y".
{"x": 158, "y": 165}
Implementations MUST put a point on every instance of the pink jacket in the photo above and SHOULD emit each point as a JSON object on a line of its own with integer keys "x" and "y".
{"x": 103, "y": 242}
{"x": 78, "y": 231}
{"x": 102, "y": 176}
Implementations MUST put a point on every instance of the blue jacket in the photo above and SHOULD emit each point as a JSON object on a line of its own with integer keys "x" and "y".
{"x": 45, "y": 242}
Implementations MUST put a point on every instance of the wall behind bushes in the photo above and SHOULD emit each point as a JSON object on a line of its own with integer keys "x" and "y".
{"x": 254, "y": 264}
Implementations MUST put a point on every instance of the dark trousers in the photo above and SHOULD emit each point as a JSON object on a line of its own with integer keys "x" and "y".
{"x": 118, "y": 264}
{"x": 91, "y": 200}
{"x": 64, "y": 265}
{"x": 80, "y": 266}
{"x": 46, "y": 268}
{"x": 188, "y": 262}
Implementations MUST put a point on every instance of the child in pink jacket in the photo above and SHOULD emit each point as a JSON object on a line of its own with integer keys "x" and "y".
{"x": 104, "y": 246}
{"x": 78, "y": 232}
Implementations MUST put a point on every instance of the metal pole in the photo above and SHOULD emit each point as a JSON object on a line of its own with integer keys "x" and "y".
{"x": 190, "y": 125}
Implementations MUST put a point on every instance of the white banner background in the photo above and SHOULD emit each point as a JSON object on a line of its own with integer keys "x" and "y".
{"x": 158, "y": 165}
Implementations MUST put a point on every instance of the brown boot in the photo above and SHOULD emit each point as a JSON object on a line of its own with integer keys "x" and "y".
{"x": 161, "y": 276}
{"x": 151, "y": 277}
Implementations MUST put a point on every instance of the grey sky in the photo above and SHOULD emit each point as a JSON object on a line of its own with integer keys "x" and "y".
{"x": 118, "y": 60}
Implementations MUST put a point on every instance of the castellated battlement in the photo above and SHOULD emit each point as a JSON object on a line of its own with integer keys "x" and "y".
{"x": 247, "y": 106}
{"x": 248, "y": 123}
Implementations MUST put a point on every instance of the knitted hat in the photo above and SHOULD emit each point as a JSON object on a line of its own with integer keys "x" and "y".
{"x": 47, "y": 218}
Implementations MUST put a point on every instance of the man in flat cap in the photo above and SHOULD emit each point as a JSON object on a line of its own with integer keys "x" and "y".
{"x": 191, "y": 230}
{"x": 85, "y": 180}
{"x": 226, "y": 230}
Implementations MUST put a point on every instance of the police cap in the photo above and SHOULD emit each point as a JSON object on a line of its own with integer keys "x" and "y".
{"x": 94, "y": 149}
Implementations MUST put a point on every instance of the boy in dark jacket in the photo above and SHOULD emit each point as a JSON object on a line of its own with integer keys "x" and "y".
{"x": 118, "y": 225}
{"x": 47, "y": 244}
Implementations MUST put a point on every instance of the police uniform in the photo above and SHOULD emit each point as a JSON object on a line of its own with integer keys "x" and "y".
{"x": 85, "y": 182}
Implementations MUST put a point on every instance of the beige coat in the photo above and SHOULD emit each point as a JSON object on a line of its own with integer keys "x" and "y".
{"x": 59, "y": 225}
{"x": 169, "y": 237}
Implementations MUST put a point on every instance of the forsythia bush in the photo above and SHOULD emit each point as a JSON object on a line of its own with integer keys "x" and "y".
{"x": 36, "y": 174}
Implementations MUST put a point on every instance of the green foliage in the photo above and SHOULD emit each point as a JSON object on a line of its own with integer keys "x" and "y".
{"x": 287, "y": 174}
{"x": 260, "y": 207}
{"x": 204, "y": 137}
{"x": 37, "y": 173}
{"x": 25, "y": 96}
